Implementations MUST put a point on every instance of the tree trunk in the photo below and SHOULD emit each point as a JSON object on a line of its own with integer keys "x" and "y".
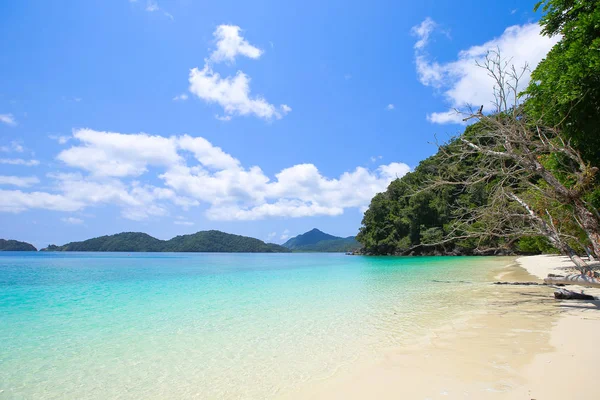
{"x": 562, "y": 294}
{"x": 589, "y": 224}
{"x": 582, "y": 280}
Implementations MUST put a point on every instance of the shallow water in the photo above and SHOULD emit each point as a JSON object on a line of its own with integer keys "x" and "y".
{"x": 146, "y": 325}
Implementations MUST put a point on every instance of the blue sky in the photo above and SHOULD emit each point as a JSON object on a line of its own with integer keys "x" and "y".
{"x": 262, "y": 118}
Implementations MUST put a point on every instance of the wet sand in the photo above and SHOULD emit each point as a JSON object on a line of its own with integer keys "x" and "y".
{"x": 519, "y": 343}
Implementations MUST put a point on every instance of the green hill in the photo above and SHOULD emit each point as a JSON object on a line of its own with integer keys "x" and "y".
{"x": 15, "y": 245}
{"x": 205, "y": 241}
{"x": 318, "y": 241}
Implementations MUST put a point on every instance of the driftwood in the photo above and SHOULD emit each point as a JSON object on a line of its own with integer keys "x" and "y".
{"x": 562, "y": 294}
{"x": 521, "y": 283}
{"x": 582, "y": 280}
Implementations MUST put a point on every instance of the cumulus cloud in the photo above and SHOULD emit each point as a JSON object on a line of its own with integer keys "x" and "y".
{"x": 230, "y": 44}
{"x": 111, "y": 154}
{"x": 193, "y": 171}
{"x": 390, "y": 107}
{"x": 19, "y": 181}
{"x": 8, "y": 119}
{"x": 232, "y": 93}
{"x": 461, "y": 81}
{"x": 17, "y": 201}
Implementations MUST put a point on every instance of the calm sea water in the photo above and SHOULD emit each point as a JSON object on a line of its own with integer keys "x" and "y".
{"x": 252, "y": 326}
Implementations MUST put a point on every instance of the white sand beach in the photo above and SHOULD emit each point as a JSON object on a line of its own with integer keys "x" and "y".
{"x": 522, "y": 344}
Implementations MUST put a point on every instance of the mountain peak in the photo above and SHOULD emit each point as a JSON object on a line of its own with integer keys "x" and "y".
{"x": 317, "y": 240}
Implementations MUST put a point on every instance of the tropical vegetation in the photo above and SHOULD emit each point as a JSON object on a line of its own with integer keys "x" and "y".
{"x": 318, "y": 241}
{"x": 204, "y": 241}
{"x": 523, "y": 176}
{"x": 15, "y": 245}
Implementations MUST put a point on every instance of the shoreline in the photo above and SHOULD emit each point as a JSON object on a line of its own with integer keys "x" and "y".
{"x": 522, "y": 344}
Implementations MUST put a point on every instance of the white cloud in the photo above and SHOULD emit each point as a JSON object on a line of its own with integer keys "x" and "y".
{"x": 19, "y": 181}
{"x": 285, "y": 235}
{"x": 180, "y": 97}
{"x": 462, "y": 82}
{"x": 224, "y": 118}
{"x": 19, "y": 161}
{"x": 60, "y": 139}
{"x": 422, "y": 32}
{"x": 390, "y": 107}
{"x": 118, "y": 155}
{"x": 446, "y": 117}
{"x": 72, "y": 220}
{"x": 18, "y": 201}
{"x": 230, "y": 44}
{"x": 207, "y": 154}
{"x": 8, "y": 119}
{"x": 14, "y": 146}
{"x": 193, "y": 172}
{"x": 137, "y": 201}
{"x": 231, "y": 92}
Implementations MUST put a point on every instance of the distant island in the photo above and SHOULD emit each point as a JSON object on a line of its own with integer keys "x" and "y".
{"x": 212, "y": 241}
{"x": 15, "y": 245}
{"x": 318, "y": 241}
{"x": 202, "y": 242}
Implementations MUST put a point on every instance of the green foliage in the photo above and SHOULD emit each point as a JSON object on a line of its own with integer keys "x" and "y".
{"x": 205, "y": 241}
{"x": 564, "y": 93}
{"x": 405, "y": 216}
{"x": 15, "y": 245}
{"x": 565, "y": 87}
{"x": 318, "y": 241}
{"x": 535, "y": 245}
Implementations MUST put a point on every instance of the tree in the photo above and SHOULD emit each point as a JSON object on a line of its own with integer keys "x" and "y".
{"x": 565, "y": 87}
{"x": 533, "y": 172}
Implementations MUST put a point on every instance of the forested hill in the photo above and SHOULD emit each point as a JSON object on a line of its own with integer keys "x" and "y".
{"x": 318, "y": 241}
{"x": 404, "y": 216}
{"x": 205, "y": 241}
{"x": 15, "y": 245}
{"x": 525, "y": 176}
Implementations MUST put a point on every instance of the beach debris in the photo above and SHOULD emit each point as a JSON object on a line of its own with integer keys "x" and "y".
{"x": 563, "y": 294}
{"x": 522, "y": 283}
{"x": 578, "y": 279}
{"x": 439, "y": 281}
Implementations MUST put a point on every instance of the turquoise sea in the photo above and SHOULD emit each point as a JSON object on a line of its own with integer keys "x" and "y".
{"x": 212, "y": 326}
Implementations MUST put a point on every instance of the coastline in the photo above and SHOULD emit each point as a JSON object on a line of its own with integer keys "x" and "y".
{"x": 560, "y": 373}
{"x": 522, "y": 344}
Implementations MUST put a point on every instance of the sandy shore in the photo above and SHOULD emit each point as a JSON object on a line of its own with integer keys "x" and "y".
{"x": 522, "y": 344}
